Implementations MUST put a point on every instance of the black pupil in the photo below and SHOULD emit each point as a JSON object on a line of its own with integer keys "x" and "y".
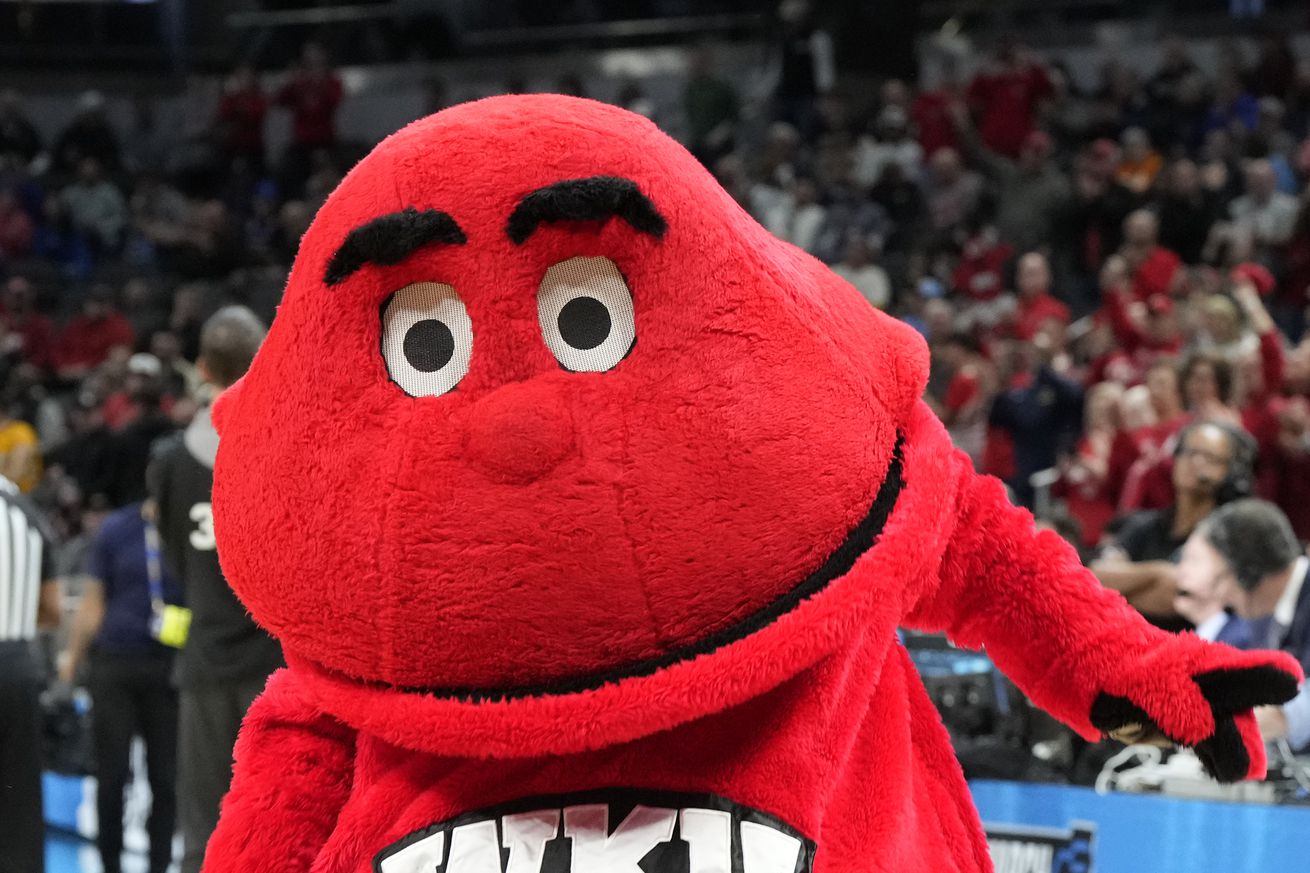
{"x": 429, "y": 346}
{"x": 584, "y": 323}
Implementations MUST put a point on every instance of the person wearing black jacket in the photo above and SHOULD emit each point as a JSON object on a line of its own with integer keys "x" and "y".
{"x": 227, "y": 658}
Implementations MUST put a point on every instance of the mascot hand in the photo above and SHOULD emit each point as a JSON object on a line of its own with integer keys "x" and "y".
{"x": 1192, "y": 693}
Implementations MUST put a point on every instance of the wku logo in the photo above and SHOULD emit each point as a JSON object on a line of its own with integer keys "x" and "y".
{"x": 612, "y": 831}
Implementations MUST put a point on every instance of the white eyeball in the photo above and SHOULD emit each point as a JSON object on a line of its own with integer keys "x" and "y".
{"x": 586, "y": 315}
{"x": 427, "y": 339}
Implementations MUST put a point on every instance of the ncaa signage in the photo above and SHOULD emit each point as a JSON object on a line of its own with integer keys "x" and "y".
{"x": 1041, "y": 850}
{"x": 611, "y": 831}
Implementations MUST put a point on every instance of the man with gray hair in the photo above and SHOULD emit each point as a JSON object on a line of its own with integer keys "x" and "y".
{"x": 1269, "y": 567}
{"x": 227, "y": 658}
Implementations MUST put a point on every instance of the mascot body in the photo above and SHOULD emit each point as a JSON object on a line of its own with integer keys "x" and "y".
{"x": 586, "y": 512}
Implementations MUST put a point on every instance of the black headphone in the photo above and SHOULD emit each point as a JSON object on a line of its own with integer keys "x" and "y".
{"x": 1237, "y": 482}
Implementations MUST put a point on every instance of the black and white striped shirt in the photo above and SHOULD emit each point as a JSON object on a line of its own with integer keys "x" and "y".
{"x": 25, "y": 562}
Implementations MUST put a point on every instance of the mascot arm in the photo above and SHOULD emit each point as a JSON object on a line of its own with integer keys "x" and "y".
{"x": 1081, "y": 652}
{"x": 291, "y": 778}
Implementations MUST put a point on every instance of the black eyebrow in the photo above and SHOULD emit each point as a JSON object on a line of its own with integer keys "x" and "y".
{"x": 592, "y": 199}
{"x": 389, "y": 239}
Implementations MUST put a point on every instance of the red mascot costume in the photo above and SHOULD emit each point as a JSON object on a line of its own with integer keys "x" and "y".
{"x": 586, "y": 513}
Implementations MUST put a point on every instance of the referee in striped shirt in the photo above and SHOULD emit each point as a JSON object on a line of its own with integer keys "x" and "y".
{"x": 29, "y": 598}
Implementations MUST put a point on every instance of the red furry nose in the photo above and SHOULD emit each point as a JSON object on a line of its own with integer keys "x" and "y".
{"x": 519, "y": 433}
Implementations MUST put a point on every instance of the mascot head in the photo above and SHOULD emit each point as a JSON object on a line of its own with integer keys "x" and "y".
{"x": 543, "y": 408}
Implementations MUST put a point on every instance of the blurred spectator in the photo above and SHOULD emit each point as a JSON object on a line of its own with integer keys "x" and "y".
{"x": 59, "y": 242}
{"x": 798, "y": 216}
{"x": 888, "y": 142}
{"x": 1040, "y": 411}
{"x": 1028, "y": 191}
{"x": 869, "y": 278}
{"x": 1233, "y": 108}
{"x": 96, "y": 207}
{"x": 1207, "y": 380}
{"x": 1186, "y": 211}
{"x": 87, "y": 456}
{"x": 1088, "y": 227}
{"x": 1036, "y": 304}
{"x": 712, "y": 107}
{"x": 142, "y": 309}
{"x": 16, "y": 228}
{"x": 150, "y": 144}
{"x": 1265, "y": 214}
{"x": 158, "y": 209}
{"x": 936, "y": 111}
{"x": 146, "y": 423}
{"x": 964, "y": 406}
{"x": 805, "y": 67}
{"x": 29, "y": 335}
{"x": 240, "y": 119}
{"x": 187, "y": 318}
{"x": 205, "y": 246}
{"x": 20, "y": 452}
{"x": 902, "y": 202}
{"x": 1212, "y": 462}
{"x": 88, "y": 135}
{"x": 950, "y": 190}
{"x": 18, "y": 136}
{"x": 980, "y": 270}
{"x": 1084, "y": 479}
{"x": 1154, "y": 269}
{"x": 180, "y": 379}
{"x": 1276, "y": 67}
{"x": 87, "y": 340}
{"x": 312, "y": 94}
{"x": 1143, "y": 329}
{"x": 1006, "y": 97}
{"x": 1139, "y": 164}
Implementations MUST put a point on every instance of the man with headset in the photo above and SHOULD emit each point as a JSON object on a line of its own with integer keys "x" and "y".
{"x": 1212, "y": 466}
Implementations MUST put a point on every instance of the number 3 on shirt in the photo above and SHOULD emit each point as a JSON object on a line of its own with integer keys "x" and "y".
{"x": 202, "y": 538}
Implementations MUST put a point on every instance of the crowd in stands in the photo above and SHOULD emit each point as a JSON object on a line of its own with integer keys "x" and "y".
{"x": 1093, "y": 268}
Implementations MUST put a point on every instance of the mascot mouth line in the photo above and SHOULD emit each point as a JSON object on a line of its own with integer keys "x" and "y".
{"x": 860, "y": 540}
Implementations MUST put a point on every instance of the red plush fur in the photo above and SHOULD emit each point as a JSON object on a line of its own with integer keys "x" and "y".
{"x": 536, "y": 527}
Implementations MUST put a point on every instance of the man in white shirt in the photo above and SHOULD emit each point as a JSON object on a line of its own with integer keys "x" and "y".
{"x": 1269, "y": 568}
{"x": 1265, "y": 213}
{"x": 1205, "y": 585}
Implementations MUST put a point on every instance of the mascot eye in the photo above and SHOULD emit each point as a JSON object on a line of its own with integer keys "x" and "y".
{"x": 427, "y": 339}
{"x": 586, "y": 314}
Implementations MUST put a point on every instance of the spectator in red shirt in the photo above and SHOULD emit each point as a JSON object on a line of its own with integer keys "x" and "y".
{"x": 1284, "y": 464}
{"x": 1143, "y": 328}
{"x": 1005, "y": 99}
{"x": 312, "y": 95}
{"x": 15, "y": 227}
{"x": 241, "y": 115}
{"x": 933, "y": 111}
{"x": 971, "y": 386}
{"x": 88, "y": 339}
{"x": 1155, "y": 269}
{"x": 30, "y": 334}
{"x": 1139, "y": 454}
{"x": 1084, "y": 477}
{"x": 1207, "y": 381}
{"x": 1036, "y": 304}
{"x": 979, "y": 275}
